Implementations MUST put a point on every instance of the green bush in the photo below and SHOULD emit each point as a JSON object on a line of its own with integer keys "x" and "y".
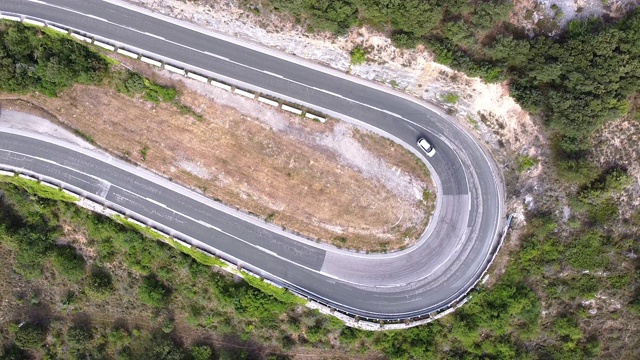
{"x": 158, "y": 93}
{"x": 68, "y": 262}
{"x": 358, "y": 56}
{"x": 78, "y": 337}
{"x": 99, "y": 284}
{"x": 587, "y": 252}
{"x": 524, "y": 163}
{"x": 30, "y": 336}
{"x": 450, "y": 98}
{"x": 201, "y": 352}
{"x": 404, "y": 40}
{"x": 33, "y": 60}
{"x": 133, "y": 84}
{"x": 153, "y": 292}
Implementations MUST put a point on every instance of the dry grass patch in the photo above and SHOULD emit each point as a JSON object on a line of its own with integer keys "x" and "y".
{"x": 326, "y": 181}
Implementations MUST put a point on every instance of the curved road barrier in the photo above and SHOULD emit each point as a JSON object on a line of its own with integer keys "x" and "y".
{"x": 412, "y": 286}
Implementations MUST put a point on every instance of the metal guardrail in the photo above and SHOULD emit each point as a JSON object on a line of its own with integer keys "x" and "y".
{"x": 324, "y": 305}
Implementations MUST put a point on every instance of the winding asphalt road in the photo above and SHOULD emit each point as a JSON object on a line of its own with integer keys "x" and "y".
{"x": 445, "y": 264}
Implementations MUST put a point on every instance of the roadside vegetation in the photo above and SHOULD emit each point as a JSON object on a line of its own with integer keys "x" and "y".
{"x": 575, "y": 81}
{"x": 80, "y": 285}
{"x": 68, "y": 272}
{"x": 131, "y": 111}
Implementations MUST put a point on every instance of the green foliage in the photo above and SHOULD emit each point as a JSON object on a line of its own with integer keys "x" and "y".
{"x": 524, "y": 163}
{"x": 450, "y": 98}
{"x": 33, "y": 60}
{"x": 132, "y": 83}
{"x": 78, "y": 337}
{"x": 99, "y": 284}
{"x": 596, "y": 198}
{"x": 157, "y": 93}
{"x": 13, "y": 352}
{"x": 587, "y": 252}
{"x": 30, "y": 336}
{"x": 197, "y": 255}
{"x": 336, "y": 16}
{"x": 404, "y": 40}
{"x": 586, "y": 286}
{"x": 35, "y": 188}
{"x": 281, "y": 294}
{"x": 68, "y": 262}
{"x": 568, "y": 331}
{"x": 153, "y": 292}
{"x": 358, "y": 56}
{"x": 201, "y": 352}
{"x": 161, "y": 349}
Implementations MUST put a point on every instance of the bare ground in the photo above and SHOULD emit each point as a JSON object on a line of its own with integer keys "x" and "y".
{"x": 326, "y": 181}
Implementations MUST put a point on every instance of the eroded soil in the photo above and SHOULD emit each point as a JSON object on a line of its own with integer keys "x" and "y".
{"x": 326, "y": 181}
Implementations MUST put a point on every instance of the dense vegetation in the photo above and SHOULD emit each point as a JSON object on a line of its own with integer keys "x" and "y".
{"x": 79, "y": 275}
{"x": 576, "y": 81}
{"x": 30, "y": 61}
{"x": 79, "y": 285}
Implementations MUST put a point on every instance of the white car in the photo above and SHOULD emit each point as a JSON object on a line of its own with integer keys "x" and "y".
{"x": 424, "y": 145}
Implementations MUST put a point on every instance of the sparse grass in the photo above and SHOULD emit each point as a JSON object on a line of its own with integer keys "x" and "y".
{"x": 144, "y": 152}
{"x": 524, "y": 163}
{"x": 35, "y": 188}
{"x": 281, "y": 294}
{"x": 450, "y": 98}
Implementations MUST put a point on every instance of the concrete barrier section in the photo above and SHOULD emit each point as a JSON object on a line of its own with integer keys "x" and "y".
{"x": 245, "y": 93}
{"x": 104, "y": 45}
{"x": 220, "y": 85}
{"x": 315, "y": 117}
{"x": 197, "y": 77}
{"x": 151, "y": 61}
{"x": 58, "y": 29}
{"x": 7, "y": 173}
{"x": 174, "y": 69}
{"x": 128, "y": 53}
{"x": 268, "y": 101}
{"x": 33, "y": 22}
{"x": 10, "y": 17}
{"x": 291, "y": 109}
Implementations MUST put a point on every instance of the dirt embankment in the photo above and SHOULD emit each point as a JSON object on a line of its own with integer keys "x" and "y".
{"x": 330, "y": 181}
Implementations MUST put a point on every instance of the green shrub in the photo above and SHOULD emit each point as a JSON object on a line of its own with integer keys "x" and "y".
{"x": 133, "y": 84}
{"x": 30, "y": 336}
{"x": 587, "y": 252}
{"x": 99, "y": 284}
{"x": 158, "y": 93}
{"x": 201, "y": 352}
{"x": 78, "y": 337}
{"x": 68, "y": 262}
{"x": 153, "y": 292}
{"x": 34, "y": 60}
{"x": 358, "y": 56}
{"x": 584, "y": 286}
{"x": 405, "y": 40}
{"x": 450, "y": 98}
{"x": 568, "y": 330}
{"x": 524, "y": 163}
